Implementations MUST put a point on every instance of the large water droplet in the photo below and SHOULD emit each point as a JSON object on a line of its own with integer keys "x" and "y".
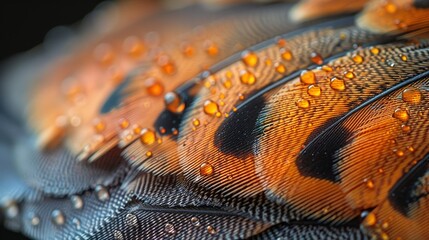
{"x": 210, "y": 107}
{"x": 401, "y": 114}
{"x": 307, "y": 77}
{"x": 314, "y": 91}
{"x": 174, "y": 102}
{"x": 247, "y": 77}
{"x": 148, "y": 137}
{"x": 154, "y": 87}
{"x": 249, "y": 58}
{"x": 206, "y": 169}
{"x": 412, "y": 95}
{"x": 316, "y": 58}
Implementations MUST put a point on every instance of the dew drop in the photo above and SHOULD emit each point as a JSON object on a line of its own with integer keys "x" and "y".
{"x": 401, "y": 114}
{"x": 303, "y": 103}
{"x": 124, "y": 123}
{"x": 154, "y": 87}
{"x": 405, "y": 128}
{"x": 149, "y": 154}
{"x": 247, "y": 77}
{"x": 117, "y": 235}
{"x": 375, "y": 50}
{"x": 404, "y": 58}
{"x": 131, "y": 220}
{"x": 337, "y": 84}
{"x": 370, "y": 220}
{"x": 280, "y": 68}
{"x": 58, "y": 217}
{"x": 358, "y": 59}
{"x": 286, "y": 54}
{"x": 314, "y": 90}
{"x": 391, "y": 62}
{"x": 210, "y": 107}
{"x": 99, "y": 126}
{"x": 349, "y": 75}
{"x": 167, "y": 66}
{"x": 307, "y": 77}
{"x": 148, "y": 137}
{"x": 206, "y": 169}
{"x": 77, "y": 202}
{"x": 195, "y": 221}
{"x": 412, "y": 95}
{"x": 211, "y": 48}
{"x": 316, "y": 58}
{"x": 102, "y": 193}
{"x": 196, "y": 122}
{"x": 34, "y": 219}
{"x": 174, "y": 102}
{"x": 211, "y": 230}
{"x": 249, "y": 58}
{"x": 169, "y": 228}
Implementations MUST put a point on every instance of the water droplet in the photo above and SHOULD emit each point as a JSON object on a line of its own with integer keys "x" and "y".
{"x": 249, "y": 58}
{"x": 410, "y": 148}
{"x": 370, "y": 220}
{"x": 196, "y": 122}
{"x": 384, "y": 236}
{"x": 390, "y": 7}
{"x": 76, "y": 222}
{"x": 149, "y": 154}
{"x": 206, "y": 169}
{"x": 211, "y": 48}
{"x": 154, "y": 87}
{"x": 316, "y": 58}
{"x": 34, "y": 219}
{"x": 358, "y": 59}
{"x": 102, "y": 193}
{"x": 327, "y": 68}
{"x": 412, "y": 95}
{"x": 99, "y": 126}
{"x": 281, "y": 42}
{"x": 210, "y": 107}
{"x": 117, "y": 235}
{"x": 58, "y": 217}
{"x": 211, "y": 230}
{"x": 286, "y": 54}
{"x": 131, "y": 220}
{"x": 303, "y": 103}
{"x": 401, "y": 114}
{"x": 375, "y": 50}
{"x": 369, "y": 183}
{"x": 349, "y": 75}
{"x": 133, "y": 47}
{"x": 195, "y": 221}
{"x": 188, "y": 50}
{"x": 314, "y": 90}
{"x": 404, "y": 58}
{"x": 174, "y": 102}
{"x": 124, "y": 123}
{"x": 104, "y": 54}
{"x": 148, "y": 137}
{"x": 169, "y": 228}
{"x": 247, "y": 77}
{"x": 167, "y": 66}
{"x": 405, "y": 128}
{"x": 77, "y": 202}
{"x": 337, "y": 84}
{"x": 390, "y": 62}
{"x": 280, "y": 68}
{"x": 399, "y": 153}
{"x": 307, "y": 77}
{"x": 11, "y": 209}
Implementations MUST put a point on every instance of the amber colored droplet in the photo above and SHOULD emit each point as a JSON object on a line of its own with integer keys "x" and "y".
{"x": 281, "y": 42}
{"x": 390, "y": 7}
{"x": 370, "y": 220}
{"x": 314, "y": 90}
{"x": 103, "y": 53}
{"x": 211, "y": 48}
{"x": 399, "y": 153}
{"x": 167, "y": 66}
{"x": 286, "y": 54}
{"x": 241, "y": 96}
{"x": 174, "y": 131}
{"x": 174, "y": 102}
{"x": 162, "y": 130}
{"x": 375, "y": 50}
{"x": 247, "y": 77}
{"x": 384, "y": 236}
{"x": 337, "y": 84}
{"x": 406, "y": 128}
{"x": 369, "y": 184}
{"x": 149, "y": 154}
{"x": 133, "y": 47}
{"x": 358, "y": 59}
{"x": 116, "y": 74}
{"x": 124, "y": 123}
{"x": 99, "y": 126}
{"x": 148, "y": 136}
{"x": 137, "y": 129}
{"x": 188, "y": 50}
{"x": 303, "y": 103}
{"x": 280, "y": 68}
{"x": 349, "y": 75}
{"x": 210, "y": 107}
{"x": 327, "y": 68}
{"x": 401, "y": 114}
{"x": 206, "y": 169}
{"x": 412, "y": 95}
{"x": 404, "y": 58}
{"x": 316, "y": 58}
{"x": 228, "y": 74}
{"x": 308, "y": 77}
{"x": 249, "y": 58}
{"x": 410, "y": 148}
{"x": 154, "y": 87}
{"x": 268, "y": 62}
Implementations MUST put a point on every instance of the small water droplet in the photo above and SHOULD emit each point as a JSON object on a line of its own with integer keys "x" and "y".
{"x": 117, "y": 235}
{"x": 149, "y": 154}
{"x": 77, "y": 202}
{"x": 211, "y": 230}
{"x": 102, "y": 193}
{"x": 169, "y": 228}
{"x": 286, "y": 54}
{"x": 303, "y": 103}
{"x": 196, "y": 122}
{"x": 327, "y": 68}
{"x": 401, "y": 114}
{"x": 154, "y": 87}
{"x": 210, "y": 107}
{"x": 11, "y": 209}
{"x": 358, "y": 59}
{"x": 58, "y": 217}
{"x": 76, "y": 222}
{"x": 166, "y": 64}
{"x": 280, "y": 68}
{"x": 195, "y": 221}
{"x": 99, "y": 126}
{"x": 148, "y": 137}
{"x": 375, "y": 50}
{"x": 399, "y": 153}
{"x": 337, "y": 84}
{"x": 247, "y": 77}
{"x": 124, "y": 123}
{"x": 390, "y": 7}
{"x": 391, "y": 62}
{"x": 281, "y": 42}
{"x": 349, "y": 75}
{"x": 174, "y": 102}
{"x": 369, "y": 183}
{"x": 104, "y": 54}
{"x": 206, "y": 169}
{"x": 211, "y": 48}
{"x": 370, "y": 220}
{"x": 307, "y": 77}
{"x": 249, "y": 58}
{"x": 188, "y": 50}
{"x": 316, "y": 58}
{"x": 133, "y": 47}
{"x": 131, "y": 220}
{"x": 34, "y": 219}
{"x": 404, "y": 58}
{"x": 410, "y": 148}
{"x": 314, "y": 90}
{"x": 405, "y": 128}
{"x": 412, "y": 95}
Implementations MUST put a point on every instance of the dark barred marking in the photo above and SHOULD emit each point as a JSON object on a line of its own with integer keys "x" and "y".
{"x": 421, "y": 3}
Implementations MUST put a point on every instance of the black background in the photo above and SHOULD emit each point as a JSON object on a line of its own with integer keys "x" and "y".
{"x": 23, "y": 25}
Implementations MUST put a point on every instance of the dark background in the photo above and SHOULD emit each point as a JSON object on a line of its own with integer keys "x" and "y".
{"x": 23, "y": 25}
